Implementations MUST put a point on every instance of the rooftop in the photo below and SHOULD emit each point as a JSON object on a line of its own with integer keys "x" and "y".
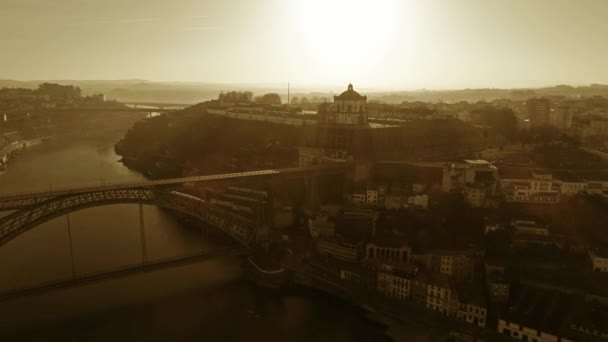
{"x": 390, "y": 241}
{"x": 555, "y": 312}
{"x": 350, "y": 95}
{"x": 477, "y": 162}
{"x": 543, "y": 310}
{"x": 472, "y": 293}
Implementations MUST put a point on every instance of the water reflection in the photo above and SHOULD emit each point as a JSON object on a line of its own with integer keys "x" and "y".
{"x": 206, "y": 300}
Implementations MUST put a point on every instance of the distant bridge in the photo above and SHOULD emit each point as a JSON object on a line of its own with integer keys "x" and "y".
{"x": 34, "y": 209}
{"x": 118, "y": 109}
{"x": 158, "y": 104}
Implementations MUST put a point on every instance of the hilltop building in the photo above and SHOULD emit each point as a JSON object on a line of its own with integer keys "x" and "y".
{"x": 349, "y": 108}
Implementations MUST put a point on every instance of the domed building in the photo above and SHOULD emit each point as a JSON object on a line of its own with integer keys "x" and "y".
{"x": 349, "y": 108}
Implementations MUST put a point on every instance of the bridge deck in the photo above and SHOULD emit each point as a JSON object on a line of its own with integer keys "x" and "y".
{"x": 174, "y": 181}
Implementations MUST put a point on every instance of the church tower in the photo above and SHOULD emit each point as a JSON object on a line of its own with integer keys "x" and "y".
{"x": 349, "y": 108}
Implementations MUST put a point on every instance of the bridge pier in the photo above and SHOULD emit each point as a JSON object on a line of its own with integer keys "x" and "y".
{"x": 204, "y": 235}
{"x": 71, "y": 247}
{"x": 312, "y": 191}
{"x": 144, "y": 256}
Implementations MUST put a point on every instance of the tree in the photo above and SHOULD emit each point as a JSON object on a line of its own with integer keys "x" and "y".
{"x": 295, "y": 100}
{"x": 270, "y": 98}
{"x": 58, "y": 91}
{"x": 236, "y": 96}
{"x": 248, "y": 96}
{"x": 304, "y": 101}
{"x": 502, "y": 120}
{"x": 545, "y": 134}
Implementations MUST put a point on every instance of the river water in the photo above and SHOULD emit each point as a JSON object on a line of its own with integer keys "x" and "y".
{"x": 202, "y": 301}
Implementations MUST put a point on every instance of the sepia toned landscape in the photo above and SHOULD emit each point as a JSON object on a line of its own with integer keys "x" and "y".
{"x": 339, "y": 170}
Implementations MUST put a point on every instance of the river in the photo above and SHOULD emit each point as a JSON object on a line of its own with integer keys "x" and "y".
{"x": 201, "y": 301}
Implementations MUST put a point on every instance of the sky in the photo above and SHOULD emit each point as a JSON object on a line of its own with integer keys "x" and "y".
{"x": 387, "y": 44}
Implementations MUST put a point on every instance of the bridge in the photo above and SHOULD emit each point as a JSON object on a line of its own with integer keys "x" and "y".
{"x": 118, "y": 109}
{"x": 33, "y": 209}
{"x": 158, "y": 104}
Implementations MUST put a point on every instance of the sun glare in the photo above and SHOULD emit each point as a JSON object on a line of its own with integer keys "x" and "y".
{"x": 345, "y": 33}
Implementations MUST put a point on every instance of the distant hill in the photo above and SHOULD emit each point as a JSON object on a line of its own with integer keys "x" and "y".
{"x": 193, "y": 92}
{"x": 489, "y": 94}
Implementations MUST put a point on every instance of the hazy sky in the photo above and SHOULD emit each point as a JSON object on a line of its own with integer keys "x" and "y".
{"x": 375, "y": 43}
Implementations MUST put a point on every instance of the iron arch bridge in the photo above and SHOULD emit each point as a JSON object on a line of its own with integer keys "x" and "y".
{"x": 238, "y": 227}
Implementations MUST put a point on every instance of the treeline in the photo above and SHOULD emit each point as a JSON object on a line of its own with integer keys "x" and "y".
{"x": 247, "y": 97}
{"x": 54, "y": 91}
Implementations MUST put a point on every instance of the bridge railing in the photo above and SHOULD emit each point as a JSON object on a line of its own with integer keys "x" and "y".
{"x": 173, "y": 181}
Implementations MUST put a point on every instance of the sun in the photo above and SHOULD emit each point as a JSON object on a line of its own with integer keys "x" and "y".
{"x": 345, "y": 33}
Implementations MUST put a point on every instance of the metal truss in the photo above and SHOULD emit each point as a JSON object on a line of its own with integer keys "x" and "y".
{"x": 40, "y": 211}
{"x": 17, "y": 202}
{"x": 24, "y": 200}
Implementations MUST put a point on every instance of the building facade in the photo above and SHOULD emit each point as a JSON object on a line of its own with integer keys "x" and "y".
{"x": 349, "y": 108}
{"x": 396, "y": 280}
{"x": 388, "y": 252}
{"x": 538, "y": 111}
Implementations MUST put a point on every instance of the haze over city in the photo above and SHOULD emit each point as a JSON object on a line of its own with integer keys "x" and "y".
{"x": 383, "y": 44}
{"x": 304, "y": 170}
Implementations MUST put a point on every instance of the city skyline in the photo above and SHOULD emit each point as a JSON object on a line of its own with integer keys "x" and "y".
{"x": 303, "y": 170}
{"x": 390, "y": 45}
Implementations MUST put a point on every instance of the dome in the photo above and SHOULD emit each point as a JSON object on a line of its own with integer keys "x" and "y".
{"x": 350, "y": 95}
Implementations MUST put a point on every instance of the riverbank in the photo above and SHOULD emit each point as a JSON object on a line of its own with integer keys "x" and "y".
{"x": 16, "y": 148}
{"x": 207, "y": 300}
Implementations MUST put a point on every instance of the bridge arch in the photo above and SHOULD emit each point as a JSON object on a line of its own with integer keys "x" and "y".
{"x": 238, "y": 227}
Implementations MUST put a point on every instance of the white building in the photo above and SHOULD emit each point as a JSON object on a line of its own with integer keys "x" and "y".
{"x": 399, "y": 201}
{"x": 538, "y": 189}
{"x": 359, "y": 198}
{"x": 395, "y": 280}
{"x": 529, "y": 227}
{"x": 441, "y": 296}
{"x": 492, "y": 226}
{"x": 338, "y": 249}
{"x": 475, "y": 179}
{"x": 597, "y": 187}
{"x": 599, "y": 260}
{"x": 372, "y": 197}
{"x": 418, "y": 188}
{"x": 321, "y": 226}
{"x": 457, "y": 264}
{"x": 309, "y": 156}
{"x": 418, "y": 201}
{"x": 475, "y": 196}
{"x": 572, "y": 187}
{"x": 457, "y": 175}
{"x": 394, "y": 201}
{"x": 473, "y": 310}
